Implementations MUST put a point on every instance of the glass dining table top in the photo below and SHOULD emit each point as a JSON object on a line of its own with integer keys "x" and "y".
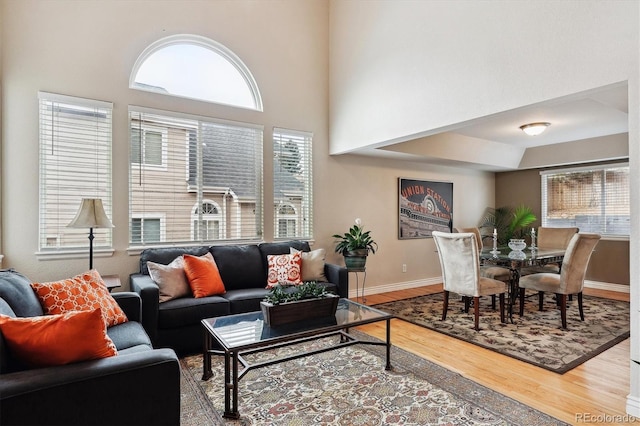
{"x": 526, "y": 256}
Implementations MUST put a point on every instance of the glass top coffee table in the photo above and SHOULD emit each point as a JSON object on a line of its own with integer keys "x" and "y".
{"x": 243, "y": 334}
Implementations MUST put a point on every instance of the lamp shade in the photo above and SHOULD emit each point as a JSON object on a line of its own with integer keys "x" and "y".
{"x": 534, "y": 129}
{"x": 91, "y": 215}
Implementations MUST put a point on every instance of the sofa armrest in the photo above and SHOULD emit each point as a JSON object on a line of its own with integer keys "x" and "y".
{"x": 338, "y": 275}
{"x": 131, "y": 304}
{"x": 91, "y": 392}
{"x": 150, "y": 295}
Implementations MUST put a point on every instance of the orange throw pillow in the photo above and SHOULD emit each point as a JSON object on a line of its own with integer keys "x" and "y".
{"x": 57, "y": 339}
{"x": 203, "y": 275}
{"x": 84, "y": 292}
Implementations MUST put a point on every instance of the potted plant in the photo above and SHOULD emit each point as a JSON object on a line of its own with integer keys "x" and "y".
{"x": 508, "y": 222}
{"x": 355, "y": 245}
{"x": 286, "y": 303}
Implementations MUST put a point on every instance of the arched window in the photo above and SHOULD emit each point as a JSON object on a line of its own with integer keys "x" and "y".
{"x": 205, "y": 221}
{"x": 195, "y": 67}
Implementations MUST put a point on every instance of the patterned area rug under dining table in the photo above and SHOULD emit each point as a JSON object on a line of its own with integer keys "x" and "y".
{"x": 536, "y": 338}
{"x": 349, "y": 386}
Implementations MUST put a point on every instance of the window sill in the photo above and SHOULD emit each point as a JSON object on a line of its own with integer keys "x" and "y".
{"x": 74, "y": 254}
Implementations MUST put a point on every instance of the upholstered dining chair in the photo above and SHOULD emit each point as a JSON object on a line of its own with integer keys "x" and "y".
{"x": 495, "y": 272}
{"x": 569, "y": 281}
{"x": 459, "y": 259}
{"x": 550, "y": 238}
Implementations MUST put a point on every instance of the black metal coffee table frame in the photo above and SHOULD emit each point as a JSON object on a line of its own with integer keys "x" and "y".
{"x": 350, "y": 314}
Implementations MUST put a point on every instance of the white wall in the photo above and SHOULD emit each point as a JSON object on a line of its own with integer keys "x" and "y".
{"x": 87, "y": 49}
{"x": 404, "y": 69}
{"x": 400, "y": 69}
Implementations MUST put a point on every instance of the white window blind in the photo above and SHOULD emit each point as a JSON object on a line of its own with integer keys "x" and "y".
{"x": 203, "y": 184}
{"x": 595, "y": 199}
{"x": 292, "y": 183}
{"x": 75, "y": 163}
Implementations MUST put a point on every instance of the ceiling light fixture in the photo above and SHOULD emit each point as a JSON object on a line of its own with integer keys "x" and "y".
{"x": 534, "y": 129}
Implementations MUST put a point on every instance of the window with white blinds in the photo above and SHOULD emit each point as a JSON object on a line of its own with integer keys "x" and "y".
{"x": 595, "y": 199}
{"x": 292, "y": 184}
{"x": 75, "y": 163}
{"x": 193, "y": 179}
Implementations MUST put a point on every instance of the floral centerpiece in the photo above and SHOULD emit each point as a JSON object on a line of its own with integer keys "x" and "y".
{"x": 355, "y": 245}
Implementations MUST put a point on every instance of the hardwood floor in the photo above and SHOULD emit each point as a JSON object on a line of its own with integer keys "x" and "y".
{"x": 596, "y": 388}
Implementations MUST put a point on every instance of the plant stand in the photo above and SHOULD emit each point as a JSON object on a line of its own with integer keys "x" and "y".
{"x": 364, "y": 279}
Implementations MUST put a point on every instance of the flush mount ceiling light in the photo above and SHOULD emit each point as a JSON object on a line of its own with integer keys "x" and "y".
{"x": 534, "y": 129}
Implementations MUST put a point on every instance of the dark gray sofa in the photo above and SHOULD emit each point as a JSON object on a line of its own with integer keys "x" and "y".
{"x": 139, "y": 386}
{"x": 243, "y": 268}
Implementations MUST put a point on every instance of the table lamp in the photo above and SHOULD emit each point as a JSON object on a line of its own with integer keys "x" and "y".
{"x": 91, "y": 215}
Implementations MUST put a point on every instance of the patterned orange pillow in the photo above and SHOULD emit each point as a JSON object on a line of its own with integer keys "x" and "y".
{"x": 57, "y": 339}
{"x": 284, "y": 269}
{"x": 84, "y": 292}
{"x": 203, "y": 275}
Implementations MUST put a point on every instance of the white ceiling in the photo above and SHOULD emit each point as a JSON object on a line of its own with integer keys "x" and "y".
{"x": 597, "y": 113}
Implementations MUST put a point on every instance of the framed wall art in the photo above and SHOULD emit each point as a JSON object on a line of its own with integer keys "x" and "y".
{"x": 424, "y": 207}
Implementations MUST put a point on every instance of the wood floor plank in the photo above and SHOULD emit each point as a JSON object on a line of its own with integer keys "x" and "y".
{"x": 597, "y": 387}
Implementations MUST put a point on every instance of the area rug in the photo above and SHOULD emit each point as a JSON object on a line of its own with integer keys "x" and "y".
{"x": 536, "y": 338}
{"x": 349, "y": 386}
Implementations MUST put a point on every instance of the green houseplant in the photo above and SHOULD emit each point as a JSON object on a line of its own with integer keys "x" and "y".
{"x": 508, "y": 222}
{"x": 355, "y": 245}
{"x": 285, "y": 304}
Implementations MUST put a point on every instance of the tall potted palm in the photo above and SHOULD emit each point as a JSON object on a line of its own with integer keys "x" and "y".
{"x": 508, "y": 222}
{"x": 355, "y": 245}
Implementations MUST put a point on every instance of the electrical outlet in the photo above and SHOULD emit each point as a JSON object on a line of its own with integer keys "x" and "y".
{"x": 404, "y": 267}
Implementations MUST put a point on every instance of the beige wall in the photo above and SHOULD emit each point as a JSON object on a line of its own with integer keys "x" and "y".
{"x": 76, "y": 51}
{"x": 608, "y": 264}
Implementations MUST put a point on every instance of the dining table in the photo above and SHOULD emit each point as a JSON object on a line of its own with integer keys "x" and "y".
{"x": 515, "y": 260}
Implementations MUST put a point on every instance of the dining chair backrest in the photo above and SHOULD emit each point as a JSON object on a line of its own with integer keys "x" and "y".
{"x": 476, "y": 231}
{"x": 459, "y": 260}
{"x": 555, "y": 237}
{"x": 576, "y": 261}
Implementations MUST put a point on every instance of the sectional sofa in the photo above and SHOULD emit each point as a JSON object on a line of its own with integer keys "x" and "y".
{"x": 176, "y": 323}
{"x": 140, "y": 385}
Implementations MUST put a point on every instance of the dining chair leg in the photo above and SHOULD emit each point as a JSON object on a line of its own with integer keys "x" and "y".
{"x": 476, "y": 312}
{"x": 540, "y": 300}
{"x": 522, "y": 291}
{"x": 445, "y": 305}
{"x": 580, "y": 306}
{"x": 563, "y": 309}
{"x": 502, "y": 319}
{"x": 493, "y": 302}
{"x": 467, "y": 302}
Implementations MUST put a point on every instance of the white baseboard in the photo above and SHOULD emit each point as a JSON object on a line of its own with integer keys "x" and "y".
{"x": 621, "y": 288}
{"x": 633, "y": 406}
{"x": 385, "y": 288}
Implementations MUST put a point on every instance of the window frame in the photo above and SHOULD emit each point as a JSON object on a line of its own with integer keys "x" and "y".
{"x": 145, "y": 129}
{"x": 304, "y": 196}
{"x": 198, "y": 124}
{"x": 206, "y": 217}
{"x": 88, "y": 145}
{"x": 216, "y": 48}
{"x": 149, "y": 216}
{"x": 544, "y": 174}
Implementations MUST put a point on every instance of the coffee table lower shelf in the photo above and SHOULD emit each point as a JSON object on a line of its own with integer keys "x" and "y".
{"x": 286, "y": 336}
